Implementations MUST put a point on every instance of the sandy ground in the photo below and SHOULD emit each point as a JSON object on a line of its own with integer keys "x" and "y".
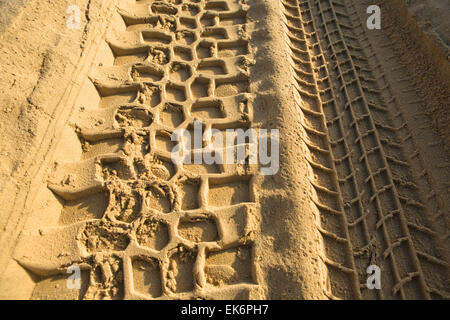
{"x": 432, "y": 15}
{"x": 87, "y": 179}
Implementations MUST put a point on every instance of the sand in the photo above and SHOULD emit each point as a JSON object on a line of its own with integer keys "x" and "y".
{"x": 88, "y": 181}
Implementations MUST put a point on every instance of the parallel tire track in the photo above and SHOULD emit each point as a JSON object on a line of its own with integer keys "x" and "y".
{"x": 384, "y": 211}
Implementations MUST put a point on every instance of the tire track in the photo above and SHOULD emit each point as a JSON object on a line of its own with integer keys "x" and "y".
{"x": 168, "y": 230}
{"x": 369, "y": 140}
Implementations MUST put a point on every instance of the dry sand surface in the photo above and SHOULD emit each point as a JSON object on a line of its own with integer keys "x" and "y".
{"x": 87, "y": 178}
